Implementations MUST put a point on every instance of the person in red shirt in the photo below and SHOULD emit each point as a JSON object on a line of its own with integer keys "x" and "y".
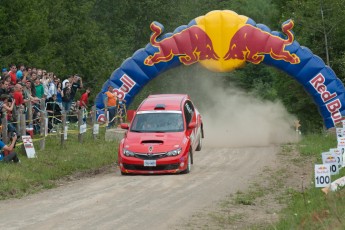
{"x": 18, "y": 95}
{"x": 13, "y": 74}
{"x": 84, "y": 99}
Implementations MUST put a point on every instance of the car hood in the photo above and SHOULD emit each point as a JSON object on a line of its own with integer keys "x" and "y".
{"x": 160, "y": 142}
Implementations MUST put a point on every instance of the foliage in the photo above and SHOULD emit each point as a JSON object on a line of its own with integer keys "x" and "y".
{"x": 93, "y": 37}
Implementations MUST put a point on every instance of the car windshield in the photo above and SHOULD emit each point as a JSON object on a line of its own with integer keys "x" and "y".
{"x": 158, "y": 122}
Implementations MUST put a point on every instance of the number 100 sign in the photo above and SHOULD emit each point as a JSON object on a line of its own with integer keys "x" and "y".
{"x": 322, "y": 176}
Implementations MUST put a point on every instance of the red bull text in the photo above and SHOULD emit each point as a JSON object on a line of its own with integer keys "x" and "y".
{"x": 333, "y": 107}
{"x": 128, "y": 84}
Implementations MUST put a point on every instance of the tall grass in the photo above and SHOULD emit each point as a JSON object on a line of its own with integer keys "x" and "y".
{"x": 55, "y": 162}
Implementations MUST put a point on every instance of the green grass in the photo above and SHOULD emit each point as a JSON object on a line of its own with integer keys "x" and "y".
{"x": 55, "y": 162}
{"x": 311, "y": 208}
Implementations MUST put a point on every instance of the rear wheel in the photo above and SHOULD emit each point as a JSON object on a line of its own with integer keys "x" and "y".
{"x": 198, "y": 148}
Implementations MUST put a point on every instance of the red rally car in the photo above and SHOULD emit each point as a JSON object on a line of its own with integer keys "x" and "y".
{"x": 162, "y": 137}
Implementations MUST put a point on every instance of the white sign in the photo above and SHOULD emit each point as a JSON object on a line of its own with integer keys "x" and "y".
{"x": 96, "y": 129}
{"x": 82, "y": 129}
{"x": 29, "y": 146}
{"x": 322, "y": 176}
{"x": 337, "y": 152}
{"x": 65, "y": 132}
{"x": 340, "y": 132}
{"x": 331, "y": 160}
{"x": 341, "y": 147}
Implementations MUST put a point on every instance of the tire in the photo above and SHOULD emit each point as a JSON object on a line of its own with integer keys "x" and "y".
{"x": 189, "y": 164}
{"x": 198, "y": 148}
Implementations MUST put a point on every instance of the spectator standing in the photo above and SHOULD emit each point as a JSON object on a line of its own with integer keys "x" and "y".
{"x": 39, "y": 88}
{"x": 4, "y": 88}
{"x": 66, "y": 97}
{"x": 4, "y": 73}
{"x": 13, "y": 74}
{"x": 19, "y": 75}
{"x": 84, "y": 99}
{"x": 77, "y": 84}
{"x": 45, "y": 82}
{"x": 110, "y": 101}
{"x": 7, "y": 106}
{"x": 18, "y": 95}
{"x": 52, "y": 90}
{"x": 59, "y": 93}
{"x": 69, "y": 79}
{"x": 54, "y": 112}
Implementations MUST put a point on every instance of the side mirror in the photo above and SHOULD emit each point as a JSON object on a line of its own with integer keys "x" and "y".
{"x": 124, "y": 126}
{"x": 192, "y": 125}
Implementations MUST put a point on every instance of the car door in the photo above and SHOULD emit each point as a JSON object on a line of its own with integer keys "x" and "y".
{"x": 189, "y": 112}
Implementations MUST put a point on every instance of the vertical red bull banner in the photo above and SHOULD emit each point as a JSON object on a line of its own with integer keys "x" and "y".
{"x": 223, "y": 41}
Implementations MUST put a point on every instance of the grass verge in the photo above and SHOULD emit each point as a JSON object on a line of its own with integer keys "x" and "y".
{"x": 282, "y": 197}
{"x": 54, "y": 163}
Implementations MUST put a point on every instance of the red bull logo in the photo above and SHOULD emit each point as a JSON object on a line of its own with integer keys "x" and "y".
{"x": 198, "y": 47}
{"x": 252, "y": 44}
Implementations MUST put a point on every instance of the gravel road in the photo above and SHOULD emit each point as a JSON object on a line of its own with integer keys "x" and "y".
{"x": 112, "y": 201}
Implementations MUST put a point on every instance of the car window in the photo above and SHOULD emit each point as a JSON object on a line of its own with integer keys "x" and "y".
{"x": 188, "y": 111}
{"x": 158, "y": 122}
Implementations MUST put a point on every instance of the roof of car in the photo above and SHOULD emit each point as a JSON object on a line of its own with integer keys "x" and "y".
{"x": 160, "y": 101}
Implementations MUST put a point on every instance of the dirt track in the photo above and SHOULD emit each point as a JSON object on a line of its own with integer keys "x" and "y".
{"x": 112, "y": 201}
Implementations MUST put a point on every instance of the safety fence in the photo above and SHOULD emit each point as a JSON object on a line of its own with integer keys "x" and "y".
{"x": 48, "y": 123}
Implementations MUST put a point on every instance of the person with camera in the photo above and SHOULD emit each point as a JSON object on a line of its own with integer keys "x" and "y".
{"x": 76, "y": 84}
{"x": 7, "y": 155}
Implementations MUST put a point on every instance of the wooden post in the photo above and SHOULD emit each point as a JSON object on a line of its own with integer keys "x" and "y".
{"x": 18, "y": 112}
{"x": 43, "y": 124}
{"x": 29, "y": 106}
{"x": 93, "y": 120}
{"x": 4, "y": 128}
{"x": 63, "y": 117}
{"x": 80, "y": 122}
{"x": 22, "y": 124}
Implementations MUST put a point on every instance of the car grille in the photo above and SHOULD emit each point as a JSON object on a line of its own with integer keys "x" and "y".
{"x": 157, "y": 168}
{"x": 149, "y": 156}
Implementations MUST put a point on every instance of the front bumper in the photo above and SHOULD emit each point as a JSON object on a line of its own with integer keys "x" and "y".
{"x": 132, "y": 165}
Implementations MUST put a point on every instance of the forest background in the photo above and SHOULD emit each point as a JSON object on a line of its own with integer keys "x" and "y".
{"x": 93, "y": 37}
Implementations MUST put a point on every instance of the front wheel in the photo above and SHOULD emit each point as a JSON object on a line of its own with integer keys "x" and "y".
{"x": 189, "y": 163}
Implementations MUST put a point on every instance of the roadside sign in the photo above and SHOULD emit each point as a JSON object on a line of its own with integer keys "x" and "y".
{"x": 339, "y": 156}
{"x": 322, "y": 176}
{"x": 29, "y": 146}
{"x": 96, "y": 129}
{"x": 331, "y": 160}
{"x": 82, "y": 129}
{"x": 65, "y": 132}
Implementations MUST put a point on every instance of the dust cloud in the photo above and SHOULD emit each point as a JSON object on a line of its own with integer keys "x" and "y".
{"x": 231, "y": 116}
{"x": 234, "y": 118}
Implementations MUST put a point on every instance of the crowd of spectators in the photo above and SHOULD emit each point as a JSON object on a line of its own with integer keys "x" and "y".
{"x": 21, "y": 85}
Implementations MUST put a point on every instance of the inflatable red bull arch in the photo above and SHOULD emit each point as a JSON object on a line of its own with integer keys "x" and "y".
{"x": 223, "y": 41}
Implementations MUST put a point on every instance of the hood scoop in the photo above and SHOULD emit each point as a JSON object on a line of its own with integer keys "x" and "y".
{"x": 157, "y": 142}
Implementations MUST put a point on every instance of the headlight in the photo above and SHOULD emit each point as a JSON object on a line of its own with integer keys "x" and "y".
{"x": 128, "y": 153}
{"x": 174, "y": 152}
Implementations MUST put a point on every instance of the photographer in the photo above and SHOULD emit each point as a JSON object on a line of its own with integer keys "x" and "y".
{"x": 75, "y": 85}
{"x": 6, "y": 154}
{"x": 6, "y": 105}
